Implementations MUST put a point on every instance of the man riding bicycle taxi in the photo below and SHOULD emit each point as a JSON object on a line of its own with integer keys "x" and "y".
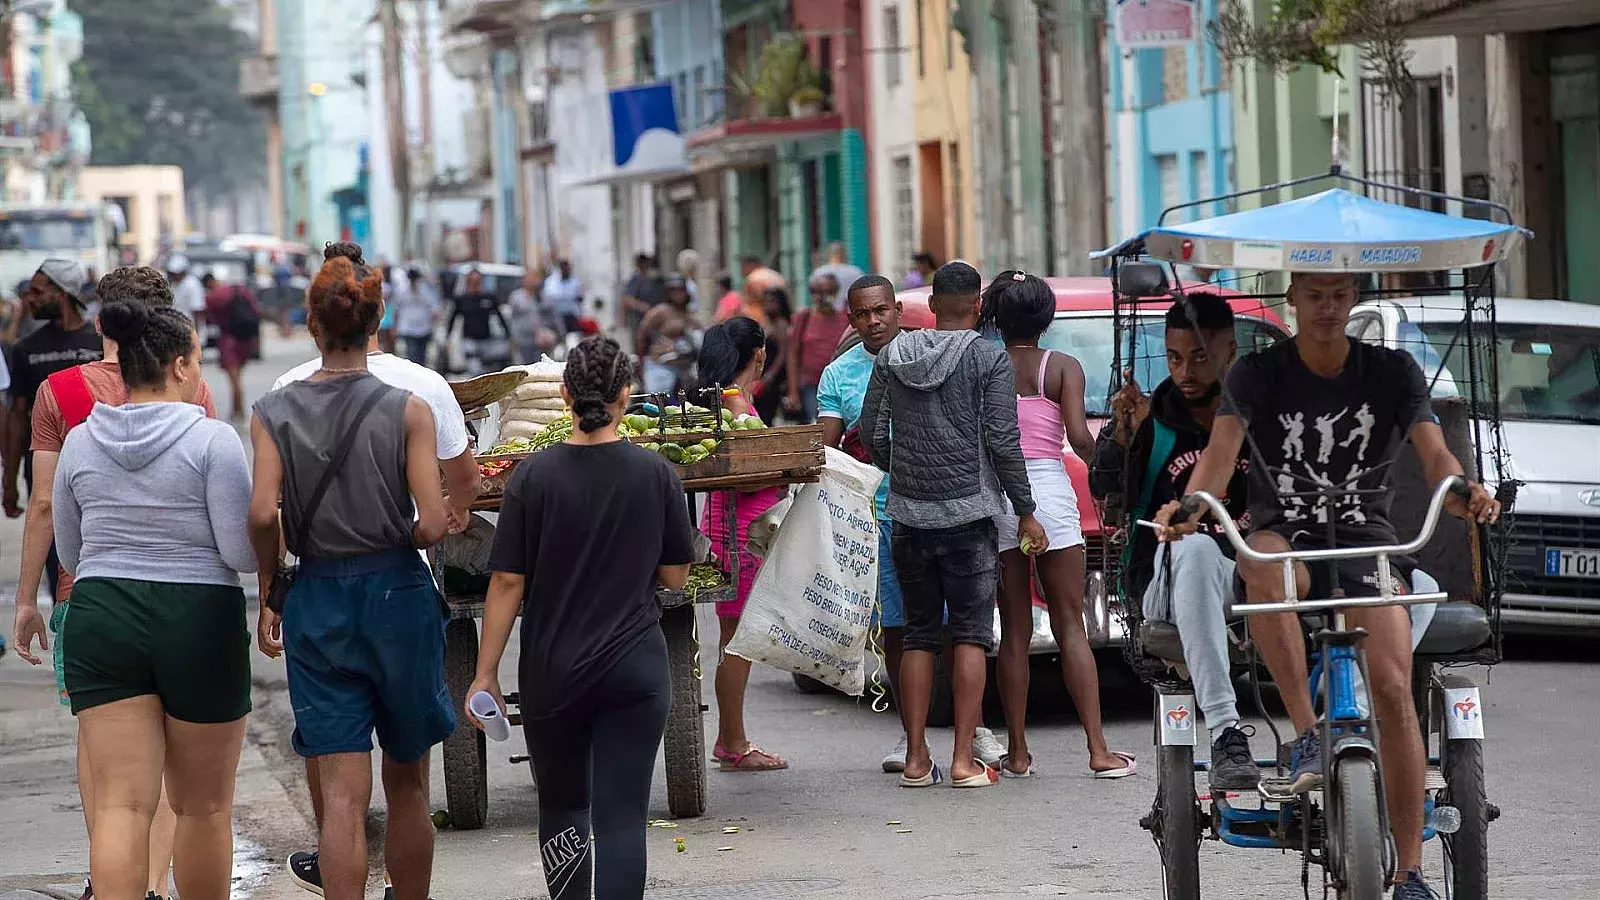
{"x": 1323, "y": 409}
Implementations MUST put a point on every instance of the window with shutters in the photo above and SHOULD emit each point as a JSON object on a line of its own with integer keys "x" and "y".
{"x": 891, "y": 45}
{"x": 905, "y": 212}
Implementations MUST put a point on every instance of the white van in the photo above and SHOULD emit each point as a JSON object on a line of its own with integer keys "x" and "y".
{"x": 1548, "y": 356}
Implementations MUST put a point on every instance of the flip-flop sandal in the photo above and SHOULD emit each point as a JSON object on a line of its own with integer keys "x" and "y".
{"x": 933, "y": 777}
{"x": 1121, "y": 771}
{"x": 1006, "y": 772}
{"x": 987, "y": 778}
{"x": 718, "y": 754}
{"x": 734, "y": 762}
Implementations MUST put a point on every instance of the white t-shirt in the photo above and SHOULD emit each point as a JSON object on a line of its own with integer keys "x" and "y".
{"x": 448, "y": 423}
{"x": 190, "y": 296}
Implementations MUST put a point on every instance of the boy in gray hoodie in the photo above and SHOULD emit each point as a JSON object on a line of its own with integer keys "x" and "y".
{"x": 956, "y": 458}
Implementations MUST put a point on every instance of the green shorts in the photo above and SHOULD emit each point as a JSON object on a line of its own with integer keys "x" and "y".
{"x": 58, "y": 619}
{"x": 185, "y": 643}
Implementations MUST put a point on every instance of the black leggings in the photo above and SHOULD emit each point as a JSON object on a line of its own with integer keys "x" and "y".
{"x": 593, "y": 762}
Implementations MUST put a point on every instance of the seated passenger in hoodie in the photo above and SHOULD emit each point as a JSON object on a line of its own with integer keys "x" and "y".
{"x": 950, "y": 398}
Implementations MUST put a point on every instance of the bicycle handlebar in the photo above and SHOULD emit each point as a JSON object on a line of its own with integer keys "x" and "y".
{"x": 1194, "y": 503}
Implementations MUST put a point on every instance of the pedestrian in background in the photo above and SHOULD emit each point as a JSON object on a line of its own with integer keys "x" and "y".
{"x": 233, "y": 311}
{"x": 667, "y": 341}
{"x": 159, "y": 673}
{"x": 189, "y": 295}
{"x": 352, "y": 460}
{"x": 689, "y": 271}
{"x": 588, "y": 529}
{"x": 478, "y": 310}
{"x": 644, "y": 290}
{"x": 773, "y": 387}
{"x": 1049, "y": 414}
{"x": 563, "y": 297}
{"x": 813, "y": 338}
{"x": 531, "y": 334}
{"x": 949, "y": 399}
{"x": 923, "y": 265}
{"x": 734, "y": 353}
{"x": 63, "y": 340}
{"x": 62, "y": 403}
{"x": 416, "y": 314}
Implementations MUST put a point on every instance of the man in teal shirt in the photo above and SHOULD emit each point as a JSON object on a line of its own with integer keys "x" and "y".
{"x": 875, "y": 315}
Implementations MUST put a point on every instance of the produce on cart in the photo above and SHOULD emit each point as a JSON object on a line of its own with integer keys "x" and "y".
{"x": 711, "y": 451}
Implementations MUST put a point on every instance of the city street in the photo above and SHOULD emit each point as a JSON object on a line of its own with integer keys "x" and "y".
{"x": 832, "y": 826}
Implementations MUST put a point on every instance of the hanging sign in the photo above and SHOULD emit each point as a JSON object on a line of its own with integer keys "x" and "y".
{"x": 1142, "y": 24}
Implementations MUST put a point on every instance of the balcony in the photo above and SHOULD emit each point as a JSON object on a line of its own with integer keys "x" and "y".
{"x": 487, "y": 17}
{"x": 762, "y": 104}
{"x": 258, "y": 80}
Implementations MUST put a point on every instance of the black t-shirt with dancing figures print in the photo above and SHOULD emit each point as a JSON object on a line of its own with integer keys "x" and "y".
{"x": 1326, "y": 431}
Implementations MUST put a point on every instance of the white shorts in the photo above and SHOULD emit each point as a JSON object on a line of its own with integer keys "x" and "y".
{"x": 1057, "y": 510}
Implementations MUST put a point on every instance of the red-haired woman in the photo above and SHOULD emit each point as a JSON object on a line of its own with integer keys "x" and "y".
{"x": 352, "y": 460}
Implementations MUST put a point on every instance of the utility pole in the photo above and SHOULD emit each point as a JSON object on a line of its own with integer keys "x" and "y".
{"x": 1083, "y": 101}
{"x": 425, "y": 106}
{"x": 394, "y": 102}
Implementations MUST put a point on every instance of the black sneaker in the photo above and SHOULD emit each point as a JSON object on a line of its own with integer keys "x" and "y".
{"x": 304, "y": 871}
{"x": 152, "y": 895}
{"x": 1413, "y": 888}
{"x": 1233, "y": 767}
{"x": 88, "y": 891}
{"x": 1305, "y": 762}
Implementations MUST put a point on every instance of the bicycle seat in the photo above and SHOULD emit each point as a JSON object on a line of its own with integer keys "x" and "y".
{"x": 1457, "y": 626}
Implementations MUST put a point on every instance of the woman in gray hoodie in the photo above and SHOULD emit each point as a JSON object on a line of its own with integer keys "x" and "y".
{"x": 151, "y": 505}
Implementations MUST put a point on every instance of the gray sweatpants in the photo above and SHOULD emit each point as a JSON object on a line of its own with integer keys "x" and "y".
{"x": 1205, "y": 577}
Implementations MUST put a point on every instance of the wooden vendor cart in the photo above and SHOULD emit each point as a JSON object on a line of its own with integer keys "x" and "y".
{"x": 743, "y": 460}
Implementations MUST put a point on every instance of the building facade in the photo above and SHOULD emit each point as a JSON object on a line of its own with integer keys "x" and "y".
{"x": 44, "y": 139}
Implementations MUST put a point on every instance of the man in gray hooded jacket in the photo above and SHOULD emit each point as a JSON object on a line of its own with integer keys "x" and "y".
{"x": 956, "y": 458}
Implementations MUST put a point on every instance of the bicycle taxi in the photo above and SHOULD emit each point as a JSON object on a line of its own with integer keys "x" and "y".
{"x": 1342, "y": 827}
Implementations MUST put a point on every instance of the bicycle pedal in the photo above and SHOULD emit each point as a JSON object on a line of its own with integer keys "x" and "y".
{"x": 1276, "y": 789}
{"x": 1434, "y": 780}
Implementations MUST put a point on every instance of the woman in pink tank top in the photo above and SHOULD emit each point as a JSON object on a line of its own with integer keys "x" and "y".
{"x": 1050, "y": 415}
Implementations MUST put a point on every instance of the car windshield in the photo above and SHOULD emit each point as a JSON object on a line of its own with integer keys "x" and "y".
{"x": 46, "y": 232}
{"x": 1548, "y": 372}
{"x": 1090, "y": 339}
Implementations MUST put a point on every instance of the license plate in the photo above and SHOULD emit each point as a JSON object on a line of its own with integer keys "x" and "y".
{"x": 1565, "y": 562}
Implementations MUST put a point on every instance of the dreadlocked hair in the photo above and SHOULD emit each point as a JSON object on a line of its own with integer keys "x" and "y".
{"x": 597, "y": 371}
{"x": 138, "y": 285}
{"x": 1020, "y": 306}
{"x": 346, "y": 300}
{"x": 148, "y": 339}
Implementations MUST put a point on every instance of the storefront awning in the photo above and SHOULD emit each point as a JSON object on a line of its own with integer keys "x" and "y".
{"x": 1436, "y": 18}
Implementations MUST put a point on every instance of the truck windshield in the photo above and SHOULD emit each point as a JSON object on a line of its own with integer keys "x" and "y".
{"x": 46, "y": 231}
{"x": 1547, "y": 372}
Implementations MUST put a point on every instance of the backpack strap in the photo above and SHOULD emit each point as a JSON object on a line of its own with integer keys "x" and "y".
{"x": 73, "y": 396}
{"x": 1162, "y": 440}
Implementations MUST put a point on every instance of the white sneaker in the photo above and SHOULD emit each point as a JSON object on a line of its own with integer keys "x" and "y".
{"x": 987, "y": 747}
{"x": 896, "y": 760}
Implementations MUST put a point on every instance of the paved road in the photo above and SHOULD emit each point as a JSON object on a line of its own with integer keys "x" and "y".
{"x": 822, "y": 828}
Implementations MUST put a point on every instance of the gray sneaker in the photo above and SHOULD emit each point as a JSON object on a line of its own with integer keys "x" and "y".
{"x": 1233, "y": 767}
{"x": 987, "y": 747}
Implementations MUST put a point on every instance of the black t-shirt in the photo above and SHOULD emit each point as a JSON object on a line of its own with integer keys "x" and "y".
{"x": 587, "y": 526}
{"x": 47, "y": 351}
{"x": 477, "y": 311}
{"x": 1326, "y": 431}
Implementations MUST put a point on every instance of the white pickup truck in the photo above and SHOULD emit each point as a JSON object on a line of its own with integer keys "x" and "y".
{"x": 1548, "y": 358}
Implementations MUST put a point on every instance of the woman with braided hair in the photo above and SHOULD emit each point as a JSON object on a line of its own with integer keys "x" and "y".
{"x": 149, "y": 506}
{"x": 588, "y": 529}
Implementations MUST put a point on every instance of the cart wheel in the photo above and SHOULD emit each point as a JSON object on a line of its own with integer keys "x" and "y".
{"x": 685, "y": 740}
{"x": 1175, "y": 822}
{"x": 1466, "y": 852}
{"x": 466, "y": 773}
{"x": 1360, "y": 830}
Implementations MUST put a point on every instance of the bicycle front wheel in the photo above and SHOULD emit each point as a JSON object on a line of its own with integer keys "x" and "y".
{"x": 1360, "y": 830}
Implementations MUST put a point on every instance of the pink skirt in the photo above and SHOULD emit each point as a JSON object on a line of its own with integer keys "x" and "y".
{"x": 749, "y": 508}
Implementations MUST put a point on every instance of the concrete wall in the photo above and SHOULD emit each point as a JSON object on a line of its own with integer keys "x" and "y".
{"x": 895, "y": 127}
{"x": 151, "y": 194}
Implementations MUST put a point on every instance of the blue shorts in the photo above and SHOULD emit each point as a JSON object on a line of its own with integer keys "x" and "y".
{"x": 891, "y": 609}
{"x": 364, "y": 641}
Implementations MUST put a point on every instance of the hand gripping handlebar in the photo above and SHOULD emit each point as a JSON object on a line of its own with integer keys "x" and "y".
{"x": 1194, "y": 503}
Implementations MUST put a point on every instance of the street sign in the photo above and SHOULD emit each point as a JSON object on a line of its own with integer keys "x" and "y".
{"x": 1143, "y": 24}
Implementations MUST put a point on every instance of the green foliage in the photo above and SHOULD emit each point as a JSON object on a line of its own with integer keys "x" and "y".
{"x": 1308, "y": 32}
{"x": 159, "y": 83}
{"x": 782, "y": 73}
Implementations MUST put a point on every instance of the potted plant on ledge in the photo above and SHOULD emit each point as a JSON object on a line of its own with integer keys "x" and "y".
{"x": 805, "y": 102}
{"x": 786, "y": 83}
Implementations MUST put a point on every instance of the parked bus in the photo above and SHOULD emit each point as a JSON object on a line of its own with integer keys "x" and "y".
{"x": 30, "y": 234}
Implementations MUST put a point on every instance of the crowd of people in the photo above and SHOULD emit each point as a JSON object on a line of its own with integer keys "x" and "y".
{"x": 362, "y": 458}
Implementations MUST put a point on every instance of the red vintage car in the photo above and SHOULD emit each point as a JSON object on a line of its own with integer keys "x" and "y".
{"x": 1083, "y": 328}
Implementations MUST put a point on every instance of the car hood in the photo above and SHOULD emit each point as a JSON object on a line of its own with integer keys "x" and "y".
{"x": 1553, "y": 452}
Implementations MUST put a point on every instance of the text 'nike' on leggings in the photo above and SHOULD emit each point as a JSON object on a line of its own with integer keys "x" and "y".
{"x": 593, "y": 762}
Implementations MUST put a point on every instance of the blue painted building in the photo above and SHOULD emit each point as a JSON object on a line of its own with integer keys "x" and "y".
{"x": 1172, "y": 126}
{"x": 686, "y": 39}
